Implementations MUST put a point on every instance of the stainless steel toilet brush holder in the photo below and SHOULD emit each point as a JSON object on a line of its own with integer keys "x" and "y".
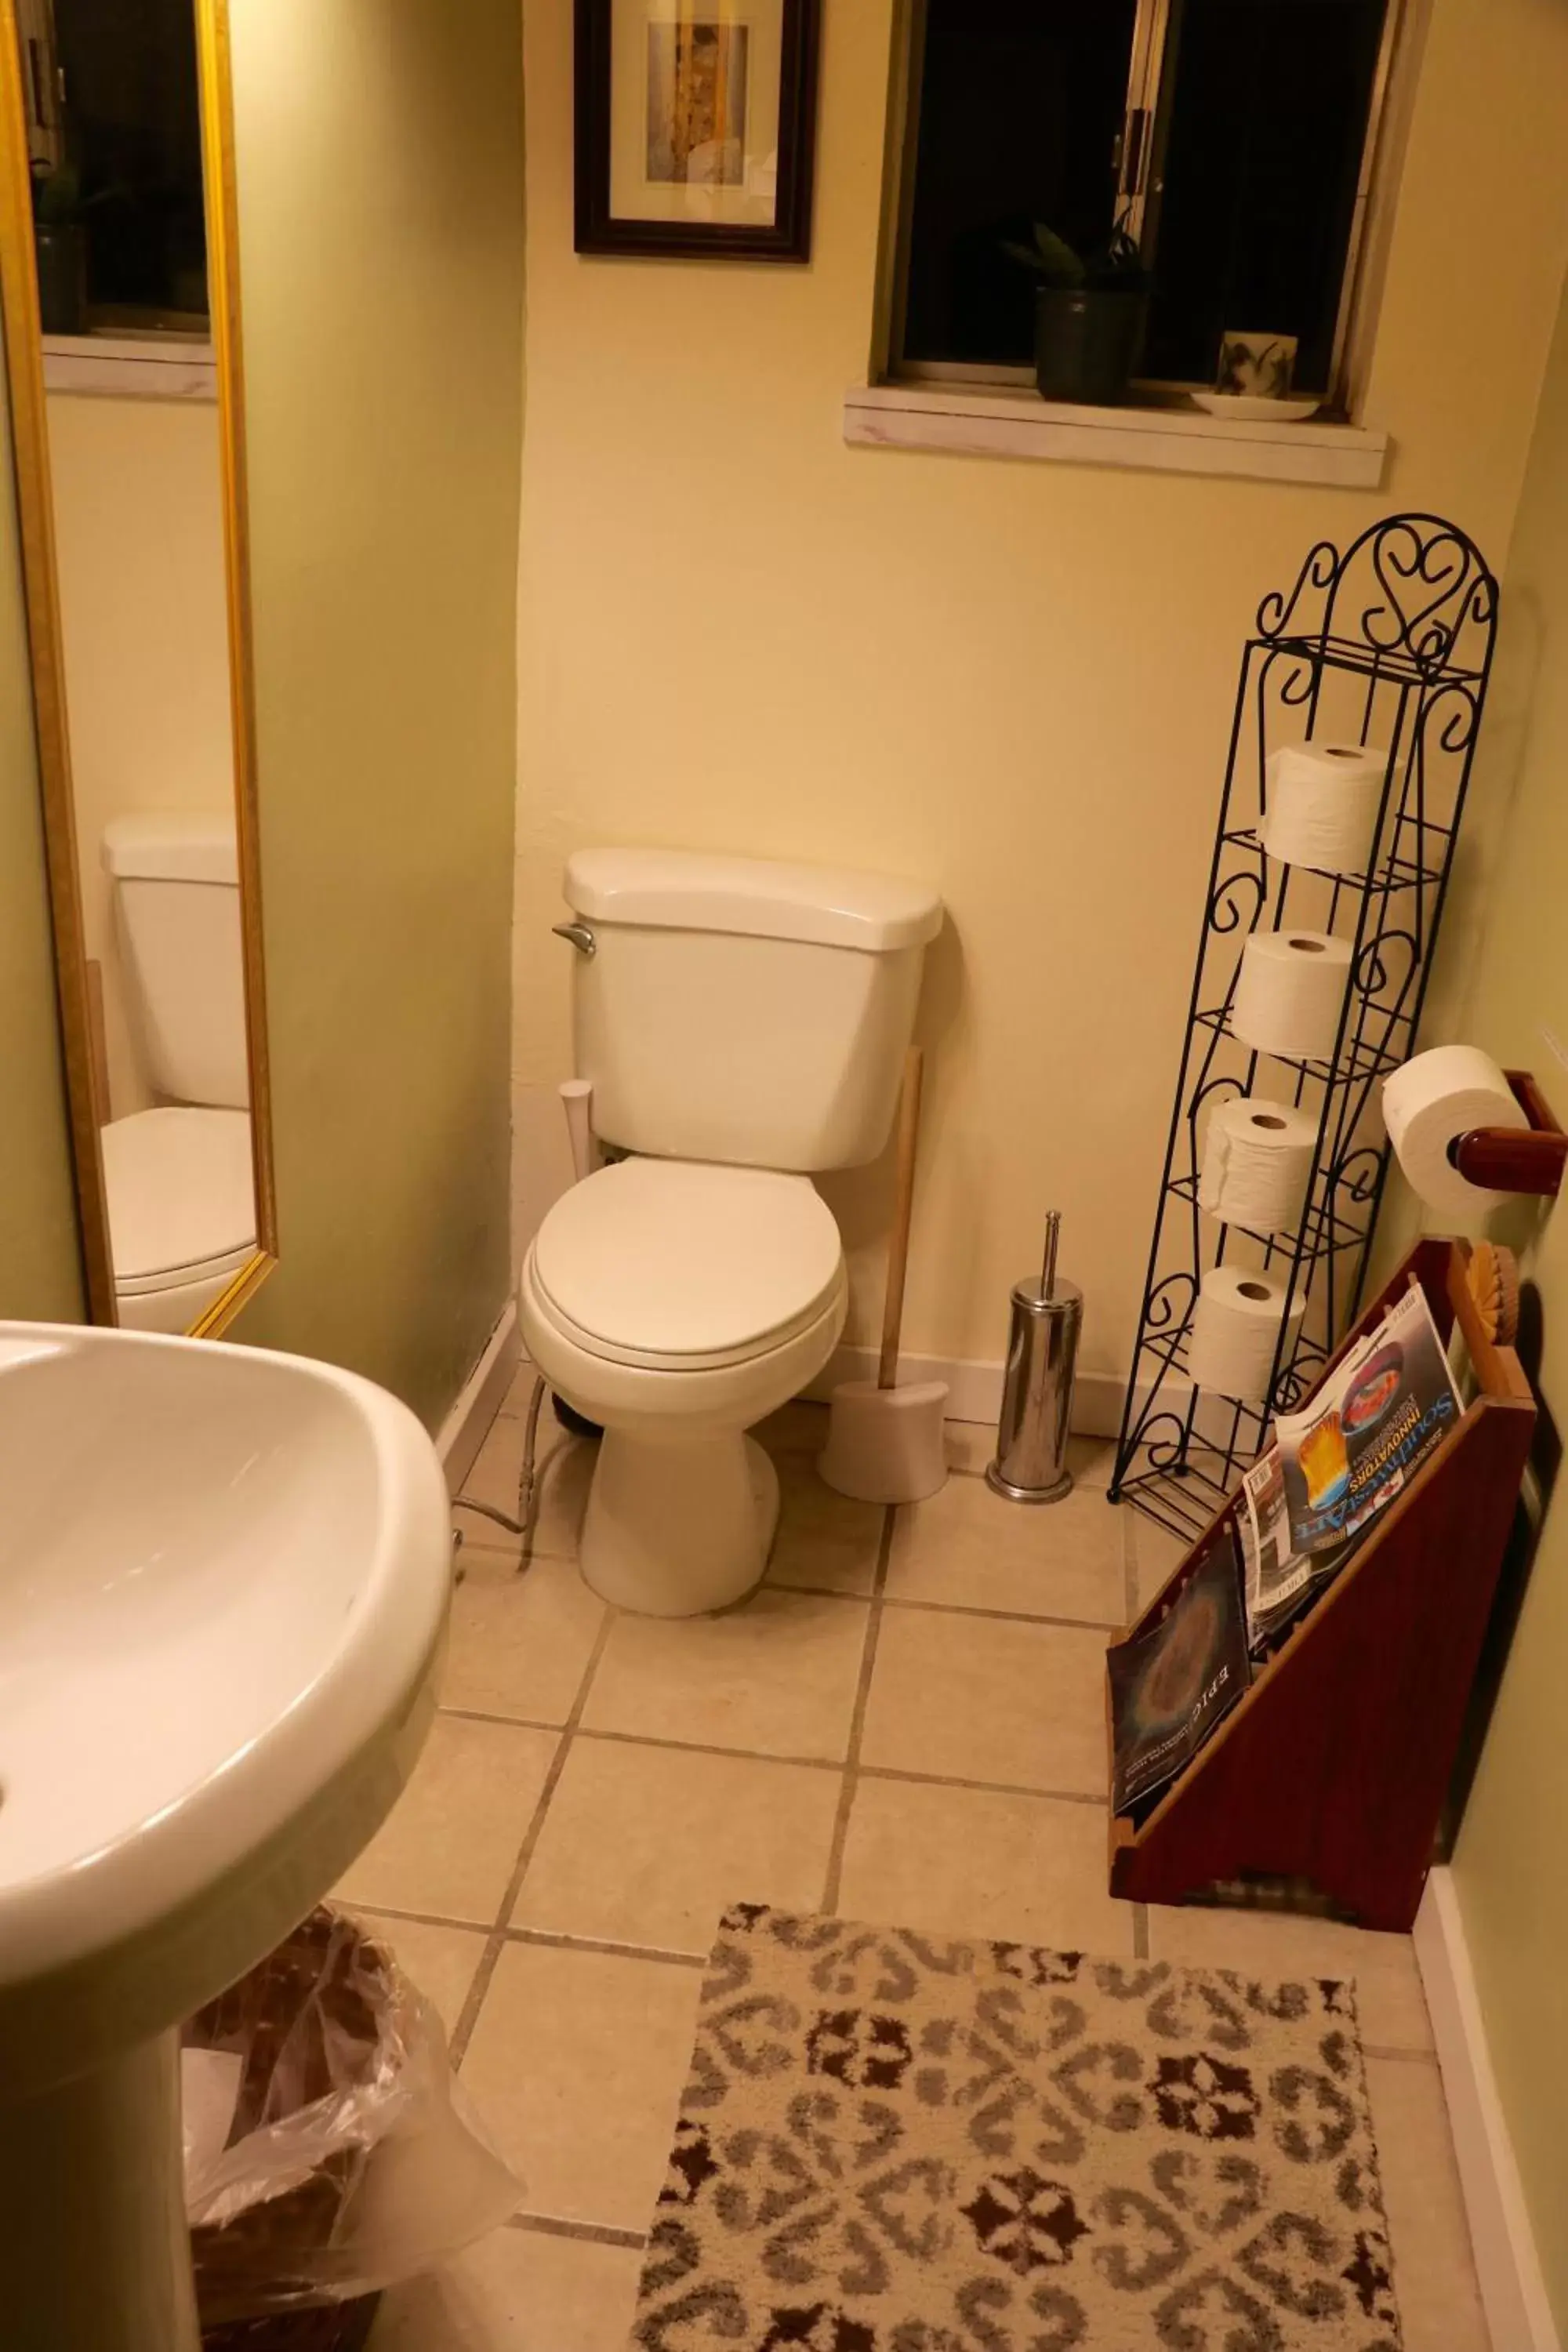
{"x": 1031, "y": 1464}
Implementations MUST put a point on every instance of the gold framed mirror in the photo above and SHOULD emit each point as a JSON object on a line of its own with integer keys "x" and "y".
{"x": 121, "y": 288}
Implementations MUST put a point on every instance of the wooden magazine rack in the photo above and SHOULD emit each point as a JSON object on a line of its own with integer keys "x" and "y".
{"x": 1334, "y": 1767}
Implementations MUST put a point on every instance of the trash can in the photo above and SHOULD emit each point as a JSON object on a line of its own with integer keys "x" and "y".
{"x": 350, "y": 2158}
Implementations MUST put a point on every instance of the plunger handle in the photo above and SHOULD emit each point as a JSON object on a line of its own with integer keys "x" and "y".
{"x": 903, "y": 1207}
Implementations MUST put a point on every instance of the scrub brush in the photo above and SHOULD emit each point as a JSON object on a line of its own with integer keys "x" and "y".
{"x": 1494, "y": 1285}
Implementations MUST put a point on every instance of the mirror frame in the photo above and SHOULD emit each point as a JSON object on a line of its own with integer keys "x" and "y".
{"x": 30, "y": 438}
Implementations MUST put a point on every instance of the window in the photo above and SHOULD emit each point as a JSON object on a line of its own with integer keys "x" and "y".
{"x": 1232, "y": 139}
{"x": 115, "y": 138}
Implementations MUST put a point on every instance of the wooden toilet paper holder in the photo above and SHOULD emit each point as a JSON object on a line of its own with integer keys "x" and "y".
{"x": 1516, "y": 1158}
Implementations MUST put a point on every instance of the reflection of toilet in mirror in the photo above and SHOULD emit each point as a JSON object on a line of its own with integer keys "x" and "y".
{"x": 182, "y": 1211}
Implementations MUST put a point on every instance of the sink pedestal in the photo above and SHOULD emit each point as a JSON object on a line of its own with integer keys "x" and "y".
{"x": 94, "y": 2252}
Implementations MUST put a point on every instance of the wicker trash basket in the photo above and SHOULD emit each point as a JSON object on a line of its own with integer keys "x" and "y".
{"x": 312, "y": 2023}
{"x": 334, "y": 2327}
{"x": 352, "y": 2159}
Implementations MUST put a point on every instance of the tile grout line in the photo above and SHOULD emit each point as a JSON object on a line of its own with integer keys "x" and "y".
{"x": 982, "y": 1788}
{"x": 953, "y": 1608}
{"x": 835, "y": 1872}
{"x": 496, "y": 1943}
{"x": 552, "y": 1939}
{"x": 508, "y": 1551}
{"x": 588, "y": 2233}
{"x": 597, "y": 1732}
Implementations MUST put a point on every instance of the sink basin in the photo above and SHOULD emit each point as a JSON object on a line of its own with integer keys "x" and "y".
{"x": 223, "y": 1577}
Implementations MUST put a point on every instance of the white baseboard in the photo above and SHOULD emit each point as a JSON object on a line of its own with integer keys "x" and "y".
{"x": 464, "y": 1430}
{"x": 1513, "y": 2291}
{"x": 974, "y": 1390}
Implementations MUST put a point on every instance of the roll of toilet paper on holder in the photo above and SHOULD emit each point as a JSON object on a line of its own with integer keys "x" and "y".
{"x": 1290, "y": 993}
{"x": 1236, "y": 1330}
{"x": 1257, "y": 1164}
{"x": 1436, "y": 1098}
{"x": 1323, "y": 800}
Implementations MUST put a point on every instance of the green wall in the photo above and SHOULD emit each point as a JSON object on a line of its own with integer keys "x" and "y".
{"x": 379, "y": 162}
{"x": 40, "y": 1267}
{"x": 1511, "y": 1866}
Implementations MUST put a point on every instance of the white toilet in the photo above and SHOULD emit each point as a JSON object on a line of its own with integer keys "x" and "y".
{"x": 741, "y": 1024}
{"x": 178, "y": 1179}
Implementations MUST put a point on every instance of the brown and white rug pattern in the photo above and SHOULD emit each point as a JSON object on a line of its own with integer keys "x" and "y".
{"x": 892, "y": 2143}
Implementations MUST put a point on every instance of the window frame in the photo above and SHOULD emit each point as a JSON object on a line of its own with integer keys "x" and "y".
{"x": 1139, "y": 166}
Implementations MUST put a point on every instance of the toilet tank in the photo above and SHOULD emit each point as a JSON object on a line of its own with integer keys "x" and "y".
{"x": 747, "y": 1012}
{"x": 176, "y": 887}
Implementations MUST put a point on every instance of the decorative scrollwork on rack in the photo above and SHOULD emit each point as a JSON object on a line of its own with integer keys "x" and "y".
{"x": 1407, "y": 589}
{"x": 1277, "y": 611}
{"x": 1355, "y": 1180}
{"x": 1161, "y": 1314}
{"x": 1449, "y": 718}
{"x": 1223, "y": 1085}
{"x": 1290, "y": 676}
{"x": 1166, "y": 1452}
{"x": 1229, "y": 912}
{"x": 1387, "y": 957}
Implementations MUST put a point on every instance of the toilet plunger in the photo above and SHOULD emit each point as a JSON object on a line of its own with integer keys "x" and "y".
{"x": 885, "y": 1444}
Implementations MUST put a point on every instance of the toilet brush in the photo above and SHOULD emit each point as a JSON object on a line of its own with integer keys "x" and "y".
{"x": 885, "y": 1444}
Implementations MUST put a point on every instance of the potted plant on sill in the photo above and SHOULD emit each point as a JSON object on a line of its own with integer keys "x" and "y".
{"x": 1089, "y": 314}
{"x": 59, "y": 235}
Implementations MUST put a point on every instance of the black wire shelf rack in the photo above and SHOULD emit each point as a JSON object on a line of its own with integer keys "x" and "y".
{"x": 1387, "y": 644}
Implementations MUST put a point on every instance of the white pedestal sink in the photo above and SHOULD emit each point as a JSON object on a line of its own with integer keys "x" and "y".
{"x": 223, "y": 1577}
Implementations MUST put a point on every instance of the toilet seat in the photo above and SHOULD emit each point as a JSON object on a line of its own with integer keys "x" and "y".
{"x": 181, "y": 1198}
{"x": 684, "y": 1265}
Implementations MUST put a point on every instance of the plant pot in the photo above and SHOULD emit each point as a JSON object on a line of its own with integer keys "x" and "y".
{"x": 62, "y": 275}
{"x": 1088, "y": 340}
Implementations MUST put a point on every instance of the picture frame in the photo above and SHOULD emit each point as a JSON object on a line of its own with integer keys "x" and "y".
{"x": 696, "y": 127}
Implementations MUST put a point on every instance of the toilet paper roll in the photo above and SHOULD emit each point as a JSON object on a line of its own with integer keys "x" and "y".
{"x": 1235, "y": 1329}
{"x": 1289, "y": 993}
{"x": 1257, "y": 1164}
{"x": 1429, "y": 1104}
{"x": 1323, "y": 800}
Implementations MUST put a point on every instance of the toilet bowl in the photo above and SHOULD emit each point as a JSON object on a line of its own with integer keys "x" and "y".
{"x": 181, "y": 1212}
{"x": 676, "y": 1303}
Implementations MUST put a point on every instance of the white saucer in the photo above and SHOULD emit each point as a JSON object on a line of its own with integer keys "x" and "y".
{"x": 1253, "y": 410}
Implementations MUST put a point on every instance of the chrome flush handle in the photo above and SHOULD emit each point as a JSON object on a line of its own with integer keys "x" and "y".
{"x": 581, "y": 936}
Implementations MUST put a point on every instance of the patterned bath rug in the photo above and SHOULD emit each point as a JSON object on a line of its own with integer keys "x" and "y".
{"x": 892, "y": 2143}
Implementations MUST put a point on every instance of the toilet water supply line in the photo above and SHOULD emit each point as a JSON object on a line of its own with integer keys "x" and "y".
{"x": 577, "y": 1100}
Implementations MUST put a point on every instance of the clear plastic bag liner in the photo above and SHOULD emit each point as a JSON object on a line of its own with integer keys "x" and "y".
{"x": 354, "y": 2158}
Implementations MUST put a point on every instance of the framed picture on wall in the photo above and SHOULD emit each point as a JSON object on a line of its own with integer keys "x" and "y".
{"x": 696, "y": 127}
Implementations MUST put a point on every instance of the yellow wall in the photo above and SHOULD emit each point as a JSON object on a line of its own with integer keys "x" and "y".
{"x": 1012, "y": 678}
{"x": 139, "y": 535}
{"x": 40, "y": 1266}
{"x": 379, "y": 146}
{"x": 1512, "y": 1884}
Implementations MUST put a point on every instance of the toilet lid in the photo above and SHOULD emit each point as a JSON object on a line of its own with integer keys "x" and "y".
{"x": 181, "y": 1195}
{"x": 677, "y": 1260}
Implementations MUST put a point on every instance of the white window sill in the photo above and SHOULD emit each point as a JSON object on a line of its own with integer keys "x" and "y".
{"x": 130, "y": 367}
{"x": 982, "y": 423}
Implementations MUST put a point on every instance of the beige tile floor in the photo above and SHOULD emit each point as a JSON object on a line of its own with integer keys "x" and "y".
{"x": 904, "y": 1725}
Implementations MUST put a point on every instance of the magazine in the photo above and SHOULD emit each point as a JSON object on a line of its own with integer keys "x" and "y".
{"x": 1171, "y": 1687}
{"x": 1341, "y": 1461}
